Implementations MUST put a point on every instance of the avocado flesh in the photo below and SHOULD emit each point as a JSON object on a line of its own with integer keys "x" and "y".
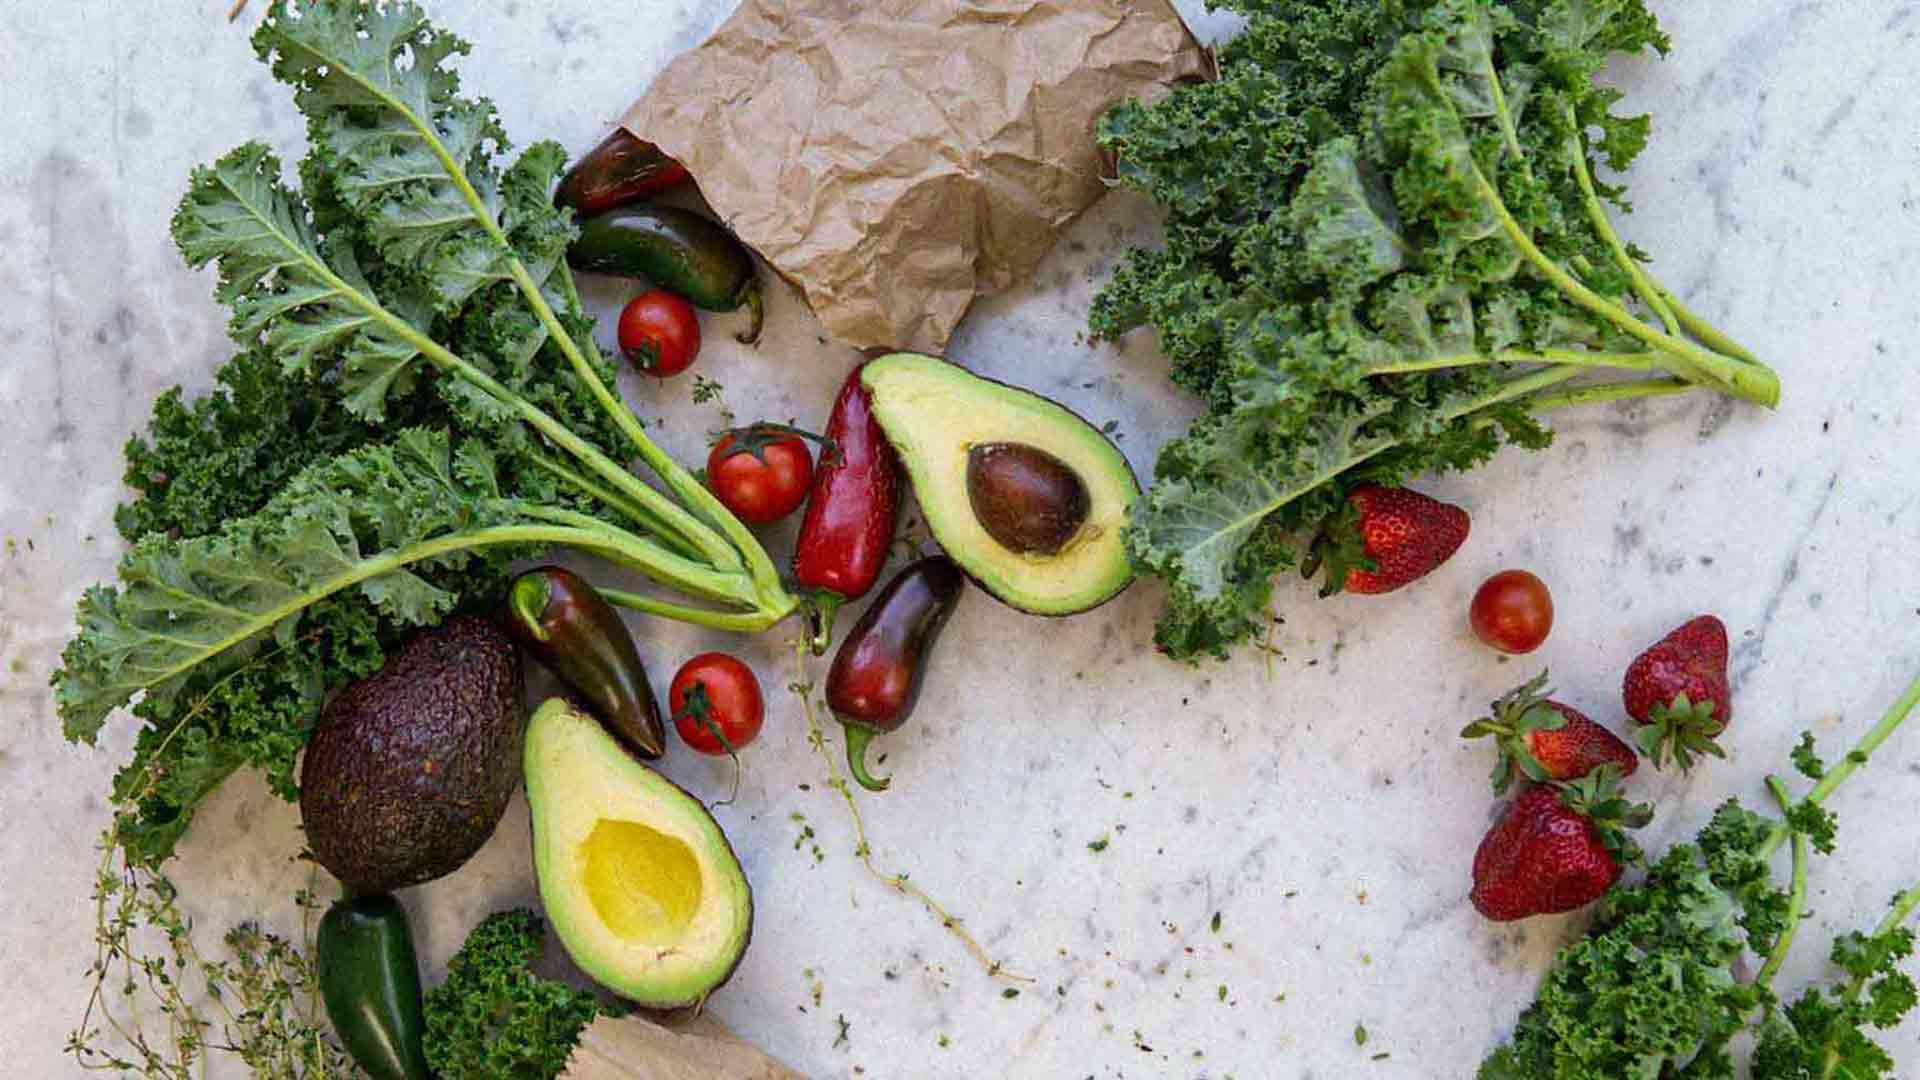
{"x": 934, "y": 413}
{"x": 638, "y": 881}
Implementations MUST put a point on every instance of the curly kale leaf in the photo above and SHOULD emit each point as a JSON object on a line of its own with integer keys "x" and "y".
{"x": 1379, "y": 211}
{"x": 1824, "y": 1032}
{"x": 1653, "y": 989}
{"x": 494, "y": 1019}
{"x": 1650, "y": 990}
{"x": 233, "y": 637}
{"x": 222, "y": 456}
{"x": 413, "y": 402}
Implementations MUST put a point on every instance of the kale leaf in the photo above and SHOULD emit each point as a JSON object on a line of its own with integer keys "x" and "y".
{"x": 416, "y": 400}
{"x": 1655, "y": 987}
{"x": 494, "y": 1019}
{"x": 1385, "y": 248}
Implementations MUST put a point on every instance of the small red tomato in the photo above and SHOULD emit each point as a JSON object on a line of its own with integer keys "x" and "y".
{"x": 716, "y": 703}
{"x": 1512, "y": 611}
{"x": 761, "y": 473}
{"x": 659, "y": 333}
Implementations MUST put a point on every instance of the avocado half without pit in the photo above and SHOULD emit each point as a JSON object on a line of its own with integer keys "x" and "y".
{"x": 638, "y": 881}
{"x": 1029, "y": 498}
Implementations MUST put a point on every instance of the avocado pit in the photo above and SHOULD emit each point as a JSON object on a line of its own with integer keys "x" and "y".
{"x": 1029, "y": 501}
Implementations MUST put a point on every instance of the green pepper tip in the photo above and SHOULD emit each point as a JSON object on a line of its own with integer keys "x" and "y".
{"x": 756, "y": 303}
{"x": 528, "y": 599}
{"x": 822, "y": 609}
{"x": 857, "y": 739}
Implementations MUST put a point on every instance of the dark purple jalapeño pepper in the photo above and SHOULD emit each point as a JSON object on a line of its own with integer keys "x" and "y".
{"x": 876, "y": 675}
{"x": 567, "y": 626}
{"x": 621, "y": 170}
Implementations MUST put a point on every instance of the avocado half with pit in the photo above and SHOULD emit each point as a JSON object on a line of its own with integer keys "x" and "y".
{"x": 1029, "y": 498}
{"x": 638, "y": 880}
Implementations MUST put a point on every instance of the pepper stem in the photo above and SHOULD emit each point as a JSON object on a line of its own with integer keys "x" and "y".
{"x": 528, "y": 600}
{"x": 820, "y": 615}
{"x": 756, "y": 303}
{"x": 857, "y": 739}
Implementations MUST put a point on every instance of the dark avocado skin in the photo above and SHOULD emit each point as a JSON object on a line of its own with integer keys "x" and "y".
{"x": 411, "y": 768}
{"x": 675, "y": 249}
{"x": 370, "y": 981}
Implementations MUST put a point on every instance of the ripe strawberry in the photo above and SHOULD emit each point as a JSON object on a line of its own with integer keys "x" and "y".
{"x": 1558, "y": 847}
{"x": 1543, "y": 739}
{"x": 1386, "y": 537}
{"x": 1677, "y": 691}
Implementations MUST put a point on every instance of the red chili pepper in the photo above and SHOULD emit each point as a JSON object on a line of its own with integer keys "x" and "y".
{"x": 852, "y": 512}
{"x": 622, "y": 169}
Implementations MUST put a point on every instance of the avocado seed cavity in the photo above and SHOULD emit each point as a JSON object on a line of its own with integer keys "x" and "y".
{"x": 644, "y": 883}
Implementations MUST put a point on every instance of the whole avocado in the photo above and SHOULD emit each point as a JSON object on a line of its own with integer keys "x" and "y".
{"x": 411, "y": 768}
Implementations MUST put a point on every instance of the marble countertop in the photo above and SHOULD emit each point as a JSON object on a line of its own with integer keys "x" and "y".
{"x": 1287, "y": 837}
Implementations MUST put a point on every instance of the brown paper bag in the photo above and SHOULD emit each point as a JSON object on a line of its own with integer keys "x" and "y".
{"x": 895, "y": 159}
{"x": 634, "y": 1048}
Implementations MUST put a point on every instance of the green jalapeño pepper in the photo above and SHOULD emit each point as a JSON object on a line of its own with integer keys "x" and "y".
{"x": 568, "y": 627}
{"x": 876, "y": 675}
{"x": 677, "y": 250}
{"x": 370, "y": 982}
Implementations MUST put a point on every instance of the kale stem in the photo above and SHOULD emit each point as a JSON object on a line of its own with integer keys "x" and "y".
{"x": 1750, "y": 382}
{"x": 1530, "y": 383}
{"x": 713, "y": 546}
{"x": 1602, "y": 225}
{"x": 600, "y": 539}
{"x": 1628, "y": 361}
{"x": 1796, "y": 898}
{"x": 690, "y": 491}
{"x": 745, "y": 622}
{"x": 650, "y": 558}
{"x": 1896, "y": 715}
{"x": 1621, "y": 391}
{"x": 632, "y": 510}
{"x": 1708, "y": 333}
{"x": 1903, "y": 906}
{"x": 1505, "y": 117}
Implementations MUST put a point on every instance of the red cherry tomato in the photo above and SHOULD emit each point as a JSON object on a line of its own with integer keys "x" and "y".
{"x": 1512, "y": 611}
{"x": 762, "y": 473}
{"x": 716, "y": 703}
{"x": 659, "y": 333}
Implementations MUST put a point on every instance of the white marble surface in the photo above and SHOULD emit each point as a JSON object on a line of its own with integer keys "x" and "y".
{"x": 1318, "y": 802}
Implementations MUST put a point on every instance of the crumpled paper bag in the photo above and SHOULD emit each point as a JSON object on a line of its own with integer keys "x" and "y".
{"x": 635, "y": 1048}
{"x": 895, "y": 159}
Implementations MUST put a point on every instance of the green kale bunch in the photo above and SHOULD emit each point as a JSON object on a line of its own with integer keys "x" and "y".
{"x": 1386, "y": 252}
{"x": 416, "y": 400}
{"x": 494, "y": 1019}
{"x": 1654, "y": 988}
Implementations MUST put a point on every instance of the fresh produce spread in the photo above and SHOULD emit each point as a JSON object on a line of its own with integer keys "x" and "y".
{"x": 1388, "y": 252}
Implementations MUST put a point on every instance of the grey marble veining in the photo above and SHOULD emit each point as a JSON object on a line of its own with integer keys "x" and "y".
{"x": 1316, "y": 800}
